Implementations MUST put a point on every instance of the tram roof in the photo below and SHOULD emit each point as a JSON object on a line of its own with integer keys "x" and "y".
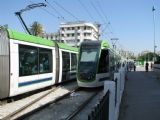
{"x": 66, "y": 47}
{"x": 29, "y": 38}
{"x": 12, "y": 34}
{"x": 104, "y": 44}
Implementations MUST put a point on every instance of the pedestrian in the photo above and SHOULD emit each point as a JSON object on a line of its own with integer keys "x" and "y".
{"x": 151, "y": 65}
{"x": 146, "y": 66}
{"x": 134, "y": 67}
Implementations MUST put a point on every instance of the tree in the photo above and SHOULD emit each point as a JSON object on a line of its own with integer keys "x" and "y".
{"x": 36, "y": 29}
{"x": 4, "y": 26}
{"x": 148, "y": 56}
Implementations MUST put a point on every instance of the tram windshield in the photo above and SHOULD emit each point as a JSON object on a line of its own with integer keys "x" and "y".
{"x": 88, "y": 59}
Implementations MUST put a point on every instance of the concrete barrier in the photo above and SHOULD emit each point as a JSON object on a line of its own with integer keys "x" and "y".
{"x": 116, "y": 89}
{"x": 110, "y": 85}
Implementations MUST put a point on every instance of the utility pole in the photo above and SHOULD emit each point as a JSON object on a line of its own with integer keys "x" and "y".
{"x": 98, "y": 26}
{"x": 114, "y": 40}
{"x": 76, "y": 37}
{"x": 154, "y": 46}
{"x": 59, "y": 35}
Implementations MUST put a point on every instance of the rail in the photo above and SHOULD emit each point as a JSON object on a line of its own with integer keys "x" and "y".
{"x": 27, "y": 105}
{"x": 47, "y": 104}
{"x": 101, "y": 111}
{"x": 71, "y": 116}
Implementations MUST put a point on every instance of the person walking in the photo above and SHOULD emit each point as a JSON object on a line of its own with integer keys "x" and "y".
{"x": 151, "y": 66}
{"x": 134, "y": 67}
{"x": 146, "y": 66}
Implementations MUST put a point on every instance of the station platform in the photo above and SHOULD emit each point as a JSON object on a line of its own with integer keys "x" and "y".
{"x": 141, "y": 99}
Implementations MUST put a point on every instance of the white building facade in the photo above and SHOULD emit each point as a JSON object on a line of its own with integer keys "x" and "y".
{"x": 73, "y": 33}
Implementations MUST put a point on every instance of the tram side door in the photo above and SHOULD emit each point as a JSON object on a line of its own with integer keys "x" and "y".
{"x": 65, "y": 65}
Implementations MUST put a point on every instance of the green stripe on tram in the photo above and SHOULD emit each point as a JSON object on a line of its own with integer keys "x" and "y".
{"x": 29, "y": 38}
{"x": 105, "y": 44}
{"x": 66, "y": 47}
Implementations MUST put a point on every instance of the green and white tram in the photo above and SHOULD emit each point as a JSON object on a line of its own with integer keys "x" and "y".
{"x": 96, "y": 63}
{"x": 28, "y": 63}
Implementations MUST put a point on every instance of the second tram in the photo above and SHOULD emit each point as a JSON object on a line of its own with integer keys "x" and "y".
{"x": 96, "y": 63}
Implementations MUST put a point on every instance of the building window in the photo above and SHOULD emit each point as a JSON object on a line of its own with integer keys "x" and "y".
{"x": 68, "y": 35}
{"x": 62, "y": 35}
{"x": 88, "y": 34}
{"x": 78, "y": 28}
{"x": 88, "y": 28}
{"x": 72, "y": 28}
{"x": 72, "y": 34}
{"x": 68, "y": 28}
{"x": 62, "y": 29}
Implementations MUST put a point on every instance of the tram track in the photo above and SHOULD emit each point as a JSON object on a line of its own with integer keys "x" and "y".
{"x": 9, "y": 116}
{"x": 47, "y": 104}
{"x": 74, "y": 93}
{"x": 66, "y": 107}
{"x": 82, "y": 106}
{"x": 21, "y": 109}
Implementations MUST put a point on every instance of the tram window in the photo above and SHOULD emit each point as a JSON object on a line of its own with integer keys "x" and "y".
{"x": 45, "y": 60}
{"x": 28, "y": 60}
{"x": 66, "y": 61}
{"x": 89, "y": 56}
{"x": 103, "y": 62}
{"x": 73, "y": 61}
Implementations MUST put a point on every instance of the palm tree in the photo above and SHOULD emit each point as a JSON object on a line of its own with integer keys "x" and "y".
{"x": 36, "y": 29}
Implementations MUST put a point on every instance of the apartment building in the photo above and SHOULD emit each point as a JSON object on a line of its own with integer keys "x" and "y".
{"x": 73, "y": 33}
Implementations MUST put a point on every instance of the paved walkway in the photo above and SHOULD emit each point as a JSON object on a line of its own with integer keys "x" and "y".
{"x": 141, "y": 99}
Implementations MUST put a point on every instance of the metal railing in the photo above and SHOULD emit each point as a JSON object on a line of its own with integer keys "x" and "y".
{"x": 101, "y": 111}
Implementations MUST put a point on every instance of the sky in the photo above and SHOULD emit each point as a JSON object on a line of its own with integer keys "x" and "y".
{"x": 130, "y": 21}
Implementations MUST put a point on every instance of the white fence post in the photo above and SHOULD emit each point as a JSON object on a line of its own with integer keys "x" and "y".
{"x": 117, "y": 94}
{"x": 116, "y": 89}
{"x": 110, "y": 85}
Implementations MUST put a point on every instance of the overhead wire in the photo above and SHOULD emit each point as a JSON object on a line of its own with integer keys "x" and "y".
{"x": 106, "y": 21}
{"x": 86, "y": 9}
{"x": 96, "y": 9}
{"x": 106, "y": 18}
{"x": 66, "y": 10}
{"x": 58, "y": 13}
